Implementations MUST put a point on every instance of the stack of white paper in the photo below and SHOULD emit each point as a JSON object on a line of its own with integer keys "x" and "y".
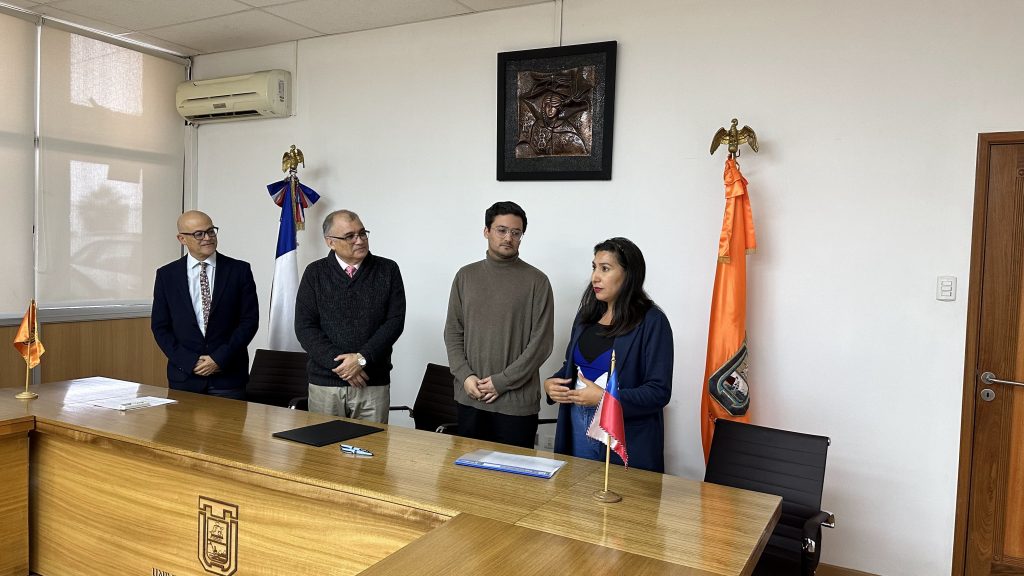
{"x": 132, "y": 403}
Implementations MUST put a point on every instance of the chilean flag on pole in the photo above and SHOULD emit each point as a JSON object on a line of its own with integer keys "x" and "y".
{"x": 293, "y": 197}
{"x": 608, "y": 426}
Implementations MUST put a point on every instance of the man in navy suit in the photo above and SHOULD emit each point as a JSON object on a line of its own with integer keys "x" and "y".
{"x": 205, "y": 313}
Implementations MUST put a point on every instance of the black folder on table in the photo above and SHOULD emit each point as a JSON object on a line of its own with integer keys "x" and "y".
{"x": 327, "y": 432}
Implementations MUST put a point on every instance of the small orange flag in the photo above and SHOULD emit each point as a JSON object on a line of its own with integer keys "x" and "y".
{"x": 725, "y": 393}
{"x": 26, "y": 341}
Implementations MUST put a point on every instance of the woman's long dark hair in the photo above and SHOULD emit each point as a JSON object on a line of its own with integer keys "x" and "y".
{"x": 632, "y": 303}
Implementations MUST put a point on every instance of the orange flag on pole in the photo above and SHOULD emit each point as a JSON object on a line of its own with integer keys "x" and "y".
{"x": 725, "y": 393}
{"x": 26, "y": 341}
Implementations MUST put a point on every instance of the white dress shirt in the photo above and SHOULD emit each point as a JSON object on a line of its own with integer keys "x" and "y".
{"x": 345, "y": 265}
{"x": 195, "y": 290}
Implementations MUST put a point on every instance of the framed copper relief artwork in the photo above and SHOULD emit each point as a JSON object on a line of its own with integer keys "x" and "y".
{"x": 556, "y": 108}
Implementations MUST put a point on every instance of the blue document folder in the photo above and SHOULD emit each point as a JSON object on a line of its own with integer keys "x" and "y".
{"x": 514, "y": 463}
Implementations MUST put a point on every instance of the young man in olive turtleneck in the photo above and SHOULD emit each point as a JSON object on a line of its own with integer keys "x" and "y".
{"x": 498, "y": 333}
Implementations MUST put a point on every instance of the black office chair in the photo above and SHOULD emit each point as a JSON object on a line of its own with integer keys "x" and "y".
{"x": 435, "y": 408}
{"x": 787, "y": 464}
{"x": 277, "y": 377}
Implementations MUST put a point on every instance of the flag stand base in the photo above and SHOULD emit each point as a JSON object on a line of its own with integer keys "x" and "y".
{"x": 607, "y": 496}
{"x": 26, "y": 395}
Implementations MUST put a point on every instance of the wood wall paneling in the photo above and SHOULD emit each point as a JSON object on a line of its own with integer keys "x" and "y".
{"x": 122, "y": 349}
{"x": 12, "y": 367}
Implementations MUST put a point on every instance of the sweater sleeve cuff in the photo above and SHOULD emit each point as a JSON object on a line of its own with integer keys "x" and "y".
{"x": 461, "y": 375}
{"x": 500, "y": 382}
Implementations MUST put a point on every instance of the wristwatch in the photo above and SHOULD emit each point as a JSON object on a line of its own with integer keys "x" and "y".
{"x": 360, "y": 359}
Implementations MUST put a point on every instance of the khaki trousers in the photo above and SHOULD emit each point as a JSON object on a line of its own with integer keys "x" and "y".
{"x": 366, "y": 403}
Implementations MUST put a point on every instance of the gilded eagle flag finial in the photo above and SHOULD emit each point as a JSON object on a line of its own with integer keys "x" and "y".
{"x": 291, "y": 160}
{"x": 733, "y": 138}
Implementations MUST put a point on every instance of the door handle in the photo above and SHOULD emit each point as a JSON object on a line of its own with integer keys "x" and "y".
{"x": 990, "y": 378}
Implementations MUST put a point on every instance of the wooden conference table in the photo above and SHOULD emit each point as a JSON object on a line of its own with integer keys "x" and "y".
{"x": 200, "y": 487}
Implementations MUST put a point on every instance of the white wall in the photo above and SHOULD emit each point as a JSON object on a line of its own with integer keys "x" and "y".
{"x": 867, "y": 114}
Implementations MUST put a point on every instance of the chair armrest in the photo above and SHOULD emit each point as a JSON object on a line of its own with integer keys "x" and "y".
{"x": 406, "y": 408}
{"x": 830, "y": 520}
{"x": 300, "y": 403}
{"x": 812, "y": 529}
{"x": 443, "y": 428}
{"x": 547, "y": 421}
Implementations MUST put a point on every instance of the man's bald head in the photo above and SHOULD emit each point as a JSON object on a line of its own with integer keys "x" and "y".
{"x": 189, "y": 224}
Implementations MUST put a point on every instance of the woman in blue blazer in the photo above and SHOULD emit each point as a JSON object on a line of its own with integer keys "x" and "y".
{"x": 616, "y": 314}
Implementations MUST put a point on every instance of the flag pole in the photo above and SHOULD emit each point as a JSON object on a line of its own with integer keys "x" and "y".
{"x": 26, "y": 395}
{"x": 605, "y": 496}
{"x": 607, "y": 464}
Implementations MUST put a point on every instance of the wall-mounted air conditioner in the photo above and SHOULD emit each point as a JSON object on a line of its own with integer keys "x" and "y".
{"x": 264, "y": 94}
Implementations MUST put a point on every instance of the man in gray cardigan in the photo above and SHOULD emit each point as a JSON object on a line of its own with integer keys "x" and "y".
{"x": 498, "y": 333}
{"x": 349, "y": 312}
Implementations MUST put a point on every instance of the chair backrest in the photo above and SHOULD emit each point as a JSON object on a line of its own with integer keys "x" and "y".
{"x": 780, "y": 462}
{"x": 277, "y": 377}
{"x": 435, "y": 403}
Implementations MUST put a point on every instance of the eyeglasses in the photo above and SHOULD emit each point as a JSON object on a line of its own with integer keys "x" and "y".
{"x": 198, "y": 234}
{"x": 351, "y": 238}
{"x": 505, "y": 231}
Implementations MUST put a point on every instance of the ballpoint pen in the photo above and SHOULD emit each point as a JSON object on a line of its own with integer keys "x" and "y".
{"x": 348, "y": 449}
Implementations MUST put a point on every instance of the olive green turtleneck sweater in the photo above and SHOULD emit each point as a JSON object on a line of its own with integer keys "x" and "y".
{"x": 500, "y": 324}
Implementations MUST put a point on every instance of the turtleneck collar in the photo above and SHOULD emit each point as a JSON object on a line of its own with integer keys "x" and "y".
{"x": 501, "y": 261}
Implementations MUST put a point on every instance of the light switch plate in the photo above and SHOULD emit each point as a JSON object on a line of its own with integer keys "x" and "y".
{"x": 945, "y": 288}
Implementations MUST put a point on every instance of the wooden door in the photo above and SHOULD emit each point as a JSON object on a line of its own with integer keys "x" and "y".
{"x": 990, "y": 505}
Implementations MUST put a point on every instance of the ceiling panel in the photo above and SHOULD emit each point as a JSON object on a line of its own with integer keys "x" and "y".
{"x": 233, "y": 32}
{"x": 338, "y": 16}
{"x": 159, "y": 43}
{"x": 143, "y": 14}
{"x": 48, "y": 10}
{"x": 481, "y": 5}
{"x": 262, "y": 3}
{"x": 192, "y": 27}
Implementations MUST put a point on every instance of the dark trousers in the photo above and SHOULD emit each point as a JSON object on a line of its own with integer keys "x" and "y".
{"x": 494, "y": 427}
{"x": 233, "y": 393}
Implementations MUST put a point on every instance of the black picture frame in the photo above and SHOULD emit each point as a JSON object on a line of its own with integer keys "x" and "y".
{"x": 544, "y": 99}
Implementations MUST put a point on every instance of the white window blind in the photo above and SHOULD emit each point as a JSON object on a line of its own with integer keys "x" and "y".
{"x": 17, "y": 162}
{"x": 111, "y": 157}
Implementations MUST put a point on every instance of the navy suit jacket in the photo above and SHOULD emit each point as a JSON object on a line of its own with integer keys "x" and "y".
{"x": 234, "y": 319}
{"x": 643, "y": 362}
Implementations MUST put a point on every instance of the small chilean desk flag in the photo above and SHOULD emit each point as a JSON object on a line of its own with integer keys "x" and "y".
{"x": 293, "y": 197}
{"x": 608, "y": 426}
{"x": 725, "y": 393}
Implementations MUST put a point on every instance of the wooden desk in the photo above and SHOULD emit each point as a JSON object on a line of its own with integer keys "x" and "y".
{"x": 15, "y": 423}
{"x": 475, "y": 545}
{"x": 130, "y": 493}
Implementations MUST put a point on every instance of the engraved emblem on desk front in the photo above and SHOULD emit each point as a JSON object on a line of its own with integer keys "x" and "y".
{"x": 218, "y": 536}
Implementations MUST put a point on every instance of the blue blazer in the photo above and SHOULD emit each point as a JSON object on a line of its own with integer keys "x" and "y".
{"x": 643, "y": 362}
{"x": 234, "y": 319}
